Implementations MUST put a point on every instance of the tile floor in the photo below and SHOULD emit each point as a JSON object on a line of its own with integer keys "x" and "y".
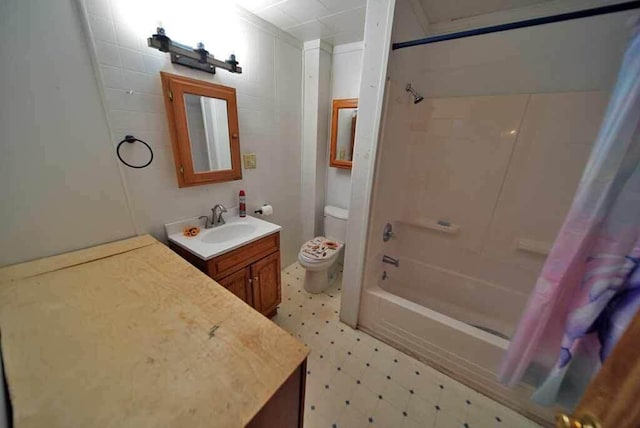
{"x": 355, "y": 380}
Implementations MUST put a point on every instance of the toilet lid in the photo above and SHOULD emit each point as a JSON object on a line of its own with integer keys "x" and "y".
{"x": 320, "y": 248}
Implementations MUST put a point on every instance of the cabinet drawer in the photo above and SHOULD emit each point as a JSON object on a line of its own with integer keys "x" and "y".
{"x": 225, "y": 264}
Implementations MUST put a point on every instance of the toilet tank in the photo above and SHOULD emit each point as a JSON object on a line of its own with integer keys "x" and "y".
{"x": 335, "y": 223}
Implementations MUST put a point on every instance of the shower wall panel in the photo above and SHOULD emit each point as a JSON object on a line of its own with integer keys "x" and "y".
{"x": 477, "y": 188}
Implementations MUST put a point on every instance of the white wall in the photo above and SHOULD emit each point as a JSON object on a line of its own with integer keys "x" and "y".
{"x": 269, "y": 111}
{"x": 60, "y": 186}
{"x": 346, "y": 68}
{"x": 579, "y": 55}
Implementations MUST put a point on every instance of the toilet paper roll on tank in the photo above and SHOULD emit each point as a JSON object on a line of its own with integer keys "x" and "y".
{"x": 265, "y": 210}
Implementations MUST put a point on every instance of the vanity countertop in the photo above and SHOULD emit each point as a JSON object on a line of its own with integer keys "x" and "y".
{"x": 129, "y": 334}
{"x": 249, "y": 229}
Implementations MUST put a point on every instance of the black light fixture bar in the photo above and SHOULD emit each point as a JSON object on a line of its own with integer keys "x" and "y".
{"x": 198, "y": 58}
{"x": 620, "y": 7}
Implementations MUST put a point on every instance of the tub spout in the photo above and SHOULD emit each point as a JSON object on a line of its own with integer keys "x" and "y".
{"x": 390, "y": 260}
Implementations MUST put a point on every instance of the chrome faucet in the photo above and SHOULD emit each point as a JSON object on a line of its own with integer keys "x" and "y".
{"x": 217, "y": 220}
{"x": 390, "y": 260}
{"x": 207, "y": 223}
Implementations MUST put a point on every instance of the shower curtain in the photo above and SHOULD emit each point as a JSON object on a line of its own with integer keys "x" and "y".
{"x": 589, "y": 288}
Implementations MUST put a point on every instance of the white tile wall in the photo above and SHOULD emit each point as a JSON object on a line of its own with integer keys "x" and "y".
{"x": 269, "y": 109}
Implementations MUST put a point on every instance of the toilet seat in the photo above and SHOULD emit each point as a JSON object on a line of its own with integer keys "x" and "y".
{"x": 319, "y": 258}
{"x": 320, "y": 250}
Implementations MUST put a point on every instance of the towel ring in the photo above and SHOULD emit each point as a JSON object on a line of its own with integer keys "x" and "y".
{"x": 131, "y": 139}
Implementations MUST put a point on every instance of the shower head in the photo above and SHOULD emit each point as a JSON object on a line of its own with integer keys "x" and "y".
{"x": 416, "y": 96}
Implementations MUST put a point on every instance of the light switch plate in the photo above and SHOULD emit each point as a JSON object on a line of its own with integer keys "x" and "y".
{"x": 249, "y": 160}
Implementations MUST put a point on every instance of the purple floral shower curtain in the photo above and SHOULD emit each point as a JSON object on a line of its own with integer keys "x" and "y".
{"x": 589, "y": 288}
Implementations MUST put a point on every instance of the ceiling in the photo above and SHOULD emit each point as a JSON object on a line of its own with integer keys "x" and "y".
{"x": 438, "y": 11}
{"x": 342, "y": 21}
{"x": 334, "y": 21}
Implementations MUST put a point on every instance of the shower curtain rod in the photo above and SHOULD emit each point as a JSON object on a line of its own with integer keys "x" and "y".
{"x": 620, "y": 7}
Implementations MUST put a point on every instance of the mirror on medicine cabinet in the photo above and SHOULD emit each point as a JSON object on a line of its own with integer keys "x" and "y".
{"x": 203, "y": 123}
{"x": 343, "y": 132}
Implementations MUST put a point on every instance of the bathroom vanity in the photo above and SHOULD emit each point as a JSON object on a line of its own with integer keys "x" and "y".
{"x": 128, "y": 334}
{"x": 243, "y": 255}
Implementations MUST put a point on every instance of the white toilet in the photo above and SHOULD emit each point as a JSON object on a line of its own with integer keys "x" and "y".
{"x": 320, "y": 256}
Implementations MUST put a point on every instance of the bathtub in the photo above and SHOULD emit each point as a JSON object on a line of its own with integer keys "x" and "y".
{"x": 444, "y": 327}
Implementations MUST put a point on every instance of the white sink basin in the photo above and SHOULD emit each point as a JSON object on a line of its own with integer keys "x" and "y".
{"x": 213, "y": 242}
{"x": 227, "y": 232}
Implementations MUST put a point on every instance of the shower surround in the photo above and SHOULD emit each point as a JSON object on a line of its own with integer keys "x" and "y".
{"x": 476, "y": 189}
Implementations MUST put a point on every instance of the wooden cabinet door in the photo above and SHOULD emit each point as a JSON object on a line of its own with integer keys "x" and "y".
{"x": 239, "y": 283}
{"x": 265, "y": 274}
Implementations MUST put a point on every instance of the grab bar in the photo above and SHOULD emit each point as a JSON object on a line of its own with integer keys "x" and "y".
{"x": 442, "y": 226}
{"x": 390, "y": 260}
{"x": 536, "y": 247}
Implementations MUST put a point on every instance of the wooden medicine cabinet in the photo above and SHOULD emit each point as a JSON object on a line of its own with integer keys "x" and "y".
{"x": 343, "y": 132}
{"x": 203, "y": 123}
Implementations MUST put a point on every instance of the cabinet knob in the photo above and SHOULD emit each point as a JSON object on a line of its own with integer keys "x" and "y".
{"x": 250, "y": 280}
{"x": 586, "y": 421}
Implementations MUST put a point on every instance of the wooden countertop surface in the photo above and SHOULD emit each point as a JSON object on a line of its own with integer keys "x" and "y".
{"x": 121, "y": 335}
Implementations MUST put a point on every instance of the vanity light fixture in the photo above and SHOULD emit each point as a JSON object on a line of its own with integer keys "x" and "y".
{"x": 198, "y": 58}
